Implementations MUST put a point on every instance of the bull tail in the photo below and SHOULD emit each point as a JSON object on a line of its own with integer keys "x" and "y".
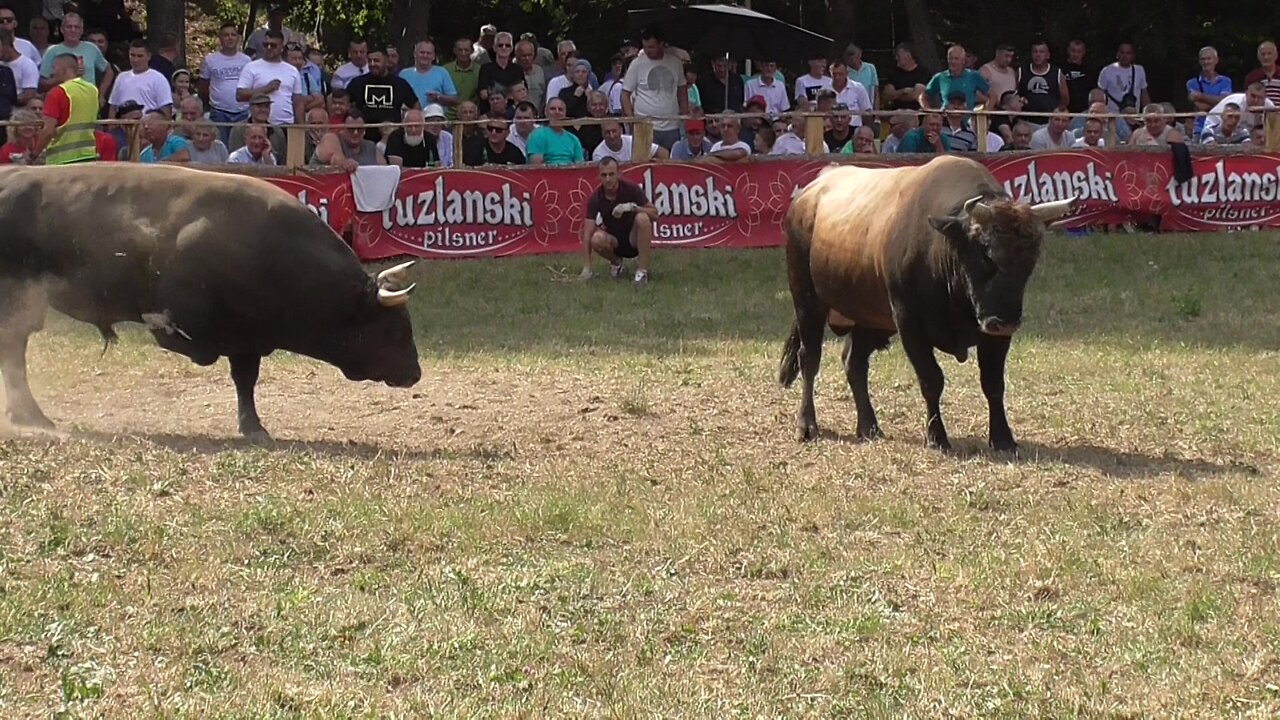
{"x": 789, "y": 368}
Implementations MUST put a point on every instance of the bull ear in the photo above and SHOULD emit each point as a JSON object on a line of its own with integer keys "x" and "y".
{"x": 952, "y": 228}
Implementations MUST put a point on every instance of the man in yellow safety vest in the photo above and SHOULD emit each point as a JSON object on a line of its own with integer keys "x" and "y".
{"x": 70, "y": 113}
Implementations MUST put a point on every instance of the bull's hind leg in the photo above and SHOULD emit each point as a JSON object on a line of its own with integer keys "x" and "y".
{"x": 244, "y": 372}
{"x": 857, "y": 369}
{"x": 932, "y": 381}
{"x": 22, "y": 311}
{"x": 812, "y": 324}
{"x": 992, "y": 351}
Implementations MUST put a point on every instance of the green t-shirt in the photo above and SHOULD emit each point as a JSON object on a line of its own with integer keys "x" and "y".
{"x": 94, "y": 63}
{"x": 556, "y": 148}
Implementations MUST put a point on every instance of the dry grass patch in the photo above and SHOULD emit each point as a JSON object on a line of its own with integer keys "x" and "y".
{"x": 592, "y": 506}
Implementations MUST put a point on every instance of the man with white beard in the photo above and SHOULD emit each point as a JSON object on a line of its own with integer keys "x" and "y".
{"x": 417, "y": 146}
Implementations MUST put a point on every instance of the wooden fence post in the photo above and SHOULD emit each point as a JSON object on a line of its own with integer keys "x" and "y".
{"x": 641, "y": 142}
{"x": 815, "y": 143}
{"x": 295, "y": 144}
{"x": 1273, "y": 131}
{"x": 457, "y": 143}
{"x": 980, "y": 128}
{"x": 135, "y": 143}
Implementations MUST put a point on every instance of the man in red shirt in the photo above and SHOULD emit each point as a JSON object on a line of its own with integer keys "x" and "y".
{"x": 619, "y": 224}
{"x": 1267, "y": 73}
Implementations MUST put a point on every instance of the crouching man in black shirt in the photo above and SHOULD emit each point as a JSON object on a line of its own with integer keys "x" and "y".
{"x": 490, "y": 146}
{"x": 619, "y": 224}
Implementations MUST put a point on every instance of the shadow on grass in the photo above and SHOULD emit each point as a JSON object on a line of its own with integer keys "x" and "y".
{"x": 213, "y": 445}
{"x": 1106, "y": 461}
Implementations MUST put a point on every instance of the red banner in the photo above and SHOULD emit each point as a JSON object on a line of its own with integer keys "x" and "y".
{"x": 497, "y": 212}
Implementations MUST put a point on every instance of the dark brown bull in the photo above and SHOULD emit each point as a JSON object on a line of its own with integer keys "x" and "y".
{"x": 216, "y": 265}
{"x": 937, "y": 253}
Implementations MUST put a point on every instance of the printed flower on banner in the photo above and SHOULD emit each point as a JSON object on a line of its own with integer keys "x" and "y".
{"x": 781, "y": 189}
{"x": 578, "y": 195}
{"x": 746, "y": 196}
{"x": 1142, "y": 183}
{"x": 546, "y": 202}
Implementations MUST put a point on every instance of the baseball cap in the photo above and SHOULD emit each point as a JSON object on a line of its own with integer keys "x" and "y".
{"x": 695, "y": 126}
{"x": 433, "y": 111}
{"x": 129, "y": 106}
{"x": 489, "y": 29}
{"x": 259, "y": 99}
{"x": 757, "y": 100}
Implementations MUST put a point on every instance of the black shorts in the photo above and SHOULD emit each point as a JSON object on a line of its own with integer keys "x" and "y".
{"x": 625, "y": 248}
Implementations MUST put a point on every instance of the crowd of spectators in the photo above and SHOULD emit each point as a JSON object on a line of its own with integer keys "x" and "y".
{"x": 513, "y": 101}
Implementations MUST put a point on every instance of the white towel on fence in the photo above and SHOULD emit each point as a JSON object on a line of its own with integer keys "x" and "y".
{"x": 374, "y": 187}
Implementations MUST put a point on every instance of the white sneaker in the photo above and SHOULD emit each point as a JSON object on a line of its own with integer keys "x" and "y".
{"x": 642, "y": 277}
{"x": 616, "y": 271}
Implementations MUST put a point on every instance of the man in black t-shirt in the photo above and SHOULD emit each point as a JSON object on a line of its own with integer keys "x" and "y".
{"x": 380, "y": 96}
{"x": 490, "y": 146}
{"x": 903, "y": 83}
{"x": 619, "y": 224}
{"x": 1080, "y": 80}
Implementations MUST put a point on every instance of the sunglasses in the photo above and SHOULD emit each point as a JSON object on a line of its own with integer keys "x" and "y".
{"x": 504, "y": 45}
{"x": 496, "y": 129}
{"x": 7, "y": 20}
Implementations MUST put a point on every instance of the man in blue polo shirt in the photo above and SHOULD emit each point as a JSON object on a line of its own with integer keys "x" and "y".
{"x": 1209, "y": 88}
{"x": 956, "y": 78}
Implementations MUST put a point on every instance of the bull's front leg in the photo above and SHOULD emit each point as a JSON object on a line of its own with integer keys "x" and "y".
{"x": 244, "y": 372}
{"x": 920, "y": 353}
{"x": 23, "y": 307}
{"x": 992, "y": 351}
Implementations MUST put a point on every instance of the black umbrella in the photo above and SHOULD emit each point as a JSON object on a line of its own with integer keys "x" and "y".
{"x": 718, "y": 30}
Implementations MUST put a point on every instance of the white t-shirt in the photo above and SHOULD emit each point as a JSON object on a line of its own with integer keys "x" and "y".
{"x": 223, "y": 72}
{"x": 149, "y": 89}
{"x": 855, "y": 96}
{"x": 653, "y": 85}
{"x": 554, "y": 86}
{"x": 25, "y": 73}
{"x": 615, "y": 96}
{"x": 736, "y": 146}
{"x": 345, "y": 73}
{"x": 260, "y": 72}
{"x": 28, "y": 50}
{"x": 775, "y": 95}
{"x": 244, "y": 157}
{"x": 808, "y": 86}
{"x": 788, "y": 144}
{"x": 1040, "y": 140}
{"x": 1116, "y": 81}
{"x": 603, "y": 151}
{"x": 1247, "y": 117}
{"x": 1080, "y": 143}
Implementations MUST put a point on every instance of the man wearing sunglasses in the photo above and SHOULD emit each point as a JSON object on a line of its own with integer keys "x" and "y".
{"x": 492, "y": 147}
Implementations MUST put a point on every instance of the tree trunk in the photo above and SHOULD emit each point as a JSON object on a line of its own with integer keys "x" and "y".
{"x": 412, "y": 17}
{"x": 923, "y": 38}
{"x": 168, "y": 16}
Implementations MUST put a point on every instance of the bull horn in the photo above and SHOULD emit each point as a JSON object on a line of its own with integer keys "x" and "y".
{"x": 394, "y": 276}
{"x": 394, "y": 298}
{"x": 1050, "y": 211}
{"x": 976, "y": 209}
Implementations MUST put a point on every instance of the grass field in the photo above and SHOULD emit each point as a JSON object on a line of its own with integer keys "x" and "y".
{"x": 593, "y": 506}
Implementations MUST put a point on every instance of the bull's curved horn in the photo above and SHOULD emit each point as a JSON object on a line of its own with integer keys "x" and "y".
{"x": 976, "y": 209}
{"x": 394, "y": 276}
{"x": 394, "y": 298}
{"x": 1050, "y": 211}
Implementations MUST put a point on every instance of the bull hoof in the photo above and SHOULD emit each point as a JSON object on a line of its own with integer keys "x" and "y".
{"x": 254, "y": 432}
{"x": 870, "y": 433}
{"x": 807, "y": 431}
{"x": 32, "y": 418}
{"x": 941, "y": 444}
{"x": 1003, "y": 445}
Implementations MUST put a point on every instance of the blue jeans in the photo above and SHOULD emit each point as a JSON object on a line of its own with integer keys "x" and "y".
{"x": 218, "y": 116}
